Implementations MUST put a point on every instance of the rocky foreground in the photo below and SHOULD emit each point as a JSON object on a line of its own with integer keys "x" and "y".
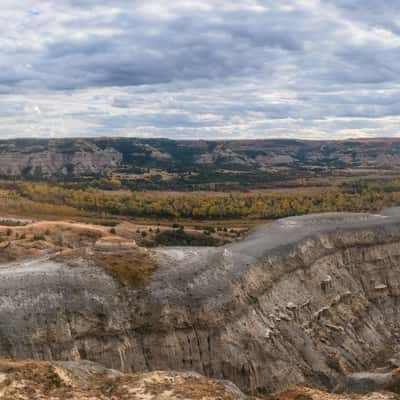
{"x": 89, "y": 381}
{"x": 84, "y": 380}
{"x": 308, "y": 301}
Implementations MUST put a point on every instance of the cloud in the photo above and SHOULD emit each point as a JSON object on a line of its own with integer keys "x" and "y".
{"x": 189, "y": 68}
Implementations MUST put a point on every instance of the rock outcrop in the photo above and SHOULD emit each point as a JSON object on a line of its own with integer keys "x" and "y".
{"x": 302, "y": 301}
{"x": 305, "y": 393}
{"x": 84, "y": 380}
{"x": 93, "y": 156}
{"x": 50, "y": 158}
{"x": 367, "y": 382}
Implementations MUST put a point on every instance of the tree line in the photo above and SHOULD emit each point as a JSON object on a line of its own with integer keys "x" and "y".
{"x": 360, "y": 196}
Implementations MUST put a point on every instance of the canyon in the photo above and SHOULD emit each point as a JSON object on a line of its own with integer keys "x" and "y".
{"x": 303, "y": 301}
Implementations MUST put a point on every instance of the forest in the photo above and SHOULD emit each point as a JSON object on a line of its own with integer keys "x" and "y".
{"x": 358, "y": 196}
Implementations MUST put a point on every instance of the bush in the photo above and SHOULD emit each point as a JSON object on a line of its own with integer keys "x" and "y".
{"x": 181, "y": 238}
{"x": 129, "y": 269}
{"x": 113, "y": 231}
{"x": 38, "y": 237}
{"x": 9, "y": 232}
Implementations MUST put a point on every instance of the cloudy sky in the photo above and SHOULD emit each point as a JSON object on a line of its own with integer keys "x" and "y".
{"x": 200, "y": 68}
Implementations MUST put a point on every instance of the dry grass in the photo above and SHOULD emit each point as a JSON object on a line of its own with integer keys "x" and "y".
{"x": 32, "y": 380}
{"x": 131, "y": 268}
{"x": 167, "y": 385}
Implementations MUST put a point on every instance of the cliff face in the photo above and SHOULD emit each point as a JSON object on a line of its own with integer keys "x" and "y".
{"x": 305, "y": 300}
{"x": 80, "y": 157}
{"x": 47, "y": 159}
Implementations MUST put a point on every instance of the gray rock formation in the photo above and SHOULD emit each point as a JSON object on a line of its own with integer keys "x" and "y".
{"x": 367, "y": 382}
{"x": 46, "y": 159}
{"x": 82, "y": 156}
{"x": 304, "y": 300}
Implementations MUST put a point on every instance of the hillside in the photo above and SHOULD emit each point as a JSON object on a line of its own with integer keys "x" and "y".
{"x": 168, "y": 164}
{"x": 302, "y": 301}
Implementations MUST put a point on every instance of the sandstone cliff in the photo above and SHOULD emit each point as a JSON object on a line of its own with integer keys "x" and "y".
{"x": 305, "y": 300}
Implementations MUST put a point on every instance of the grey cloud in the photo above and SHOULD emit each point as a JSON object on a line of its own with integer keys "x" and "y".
{"x": 212, "y": 69}
{"x": 212, "y": 45}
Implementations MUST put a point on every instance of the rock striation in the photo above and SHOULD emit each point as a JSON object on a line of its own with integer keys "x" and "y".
{"x": 302, "y": 301}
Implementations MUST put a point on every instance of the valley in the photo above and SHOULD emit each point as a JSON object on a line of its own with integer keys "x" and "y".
{"x": 199, "y": 200}
{"x": 281, "y": 290}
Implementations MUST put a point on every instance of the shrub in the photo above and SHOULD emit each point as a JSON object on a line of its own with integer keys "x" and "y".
{"x": 130, "y": 269}
{"x": 181, "y": 238}
{"x": 37, "y": 237}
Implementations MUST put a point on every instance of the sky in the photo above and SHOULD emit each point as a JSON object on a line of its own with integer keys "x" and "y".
{"x": 210, "y": 69}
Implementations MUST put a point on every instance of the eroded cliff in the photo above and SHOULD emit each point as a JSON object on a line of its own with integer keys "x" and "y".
{"x": 305, "y": 300}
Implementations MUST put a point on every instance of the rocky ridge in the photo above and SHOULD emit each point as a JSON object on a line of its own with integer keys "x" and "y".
{"x": 303, "y": 301}
{"x": 101, "y": 156}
